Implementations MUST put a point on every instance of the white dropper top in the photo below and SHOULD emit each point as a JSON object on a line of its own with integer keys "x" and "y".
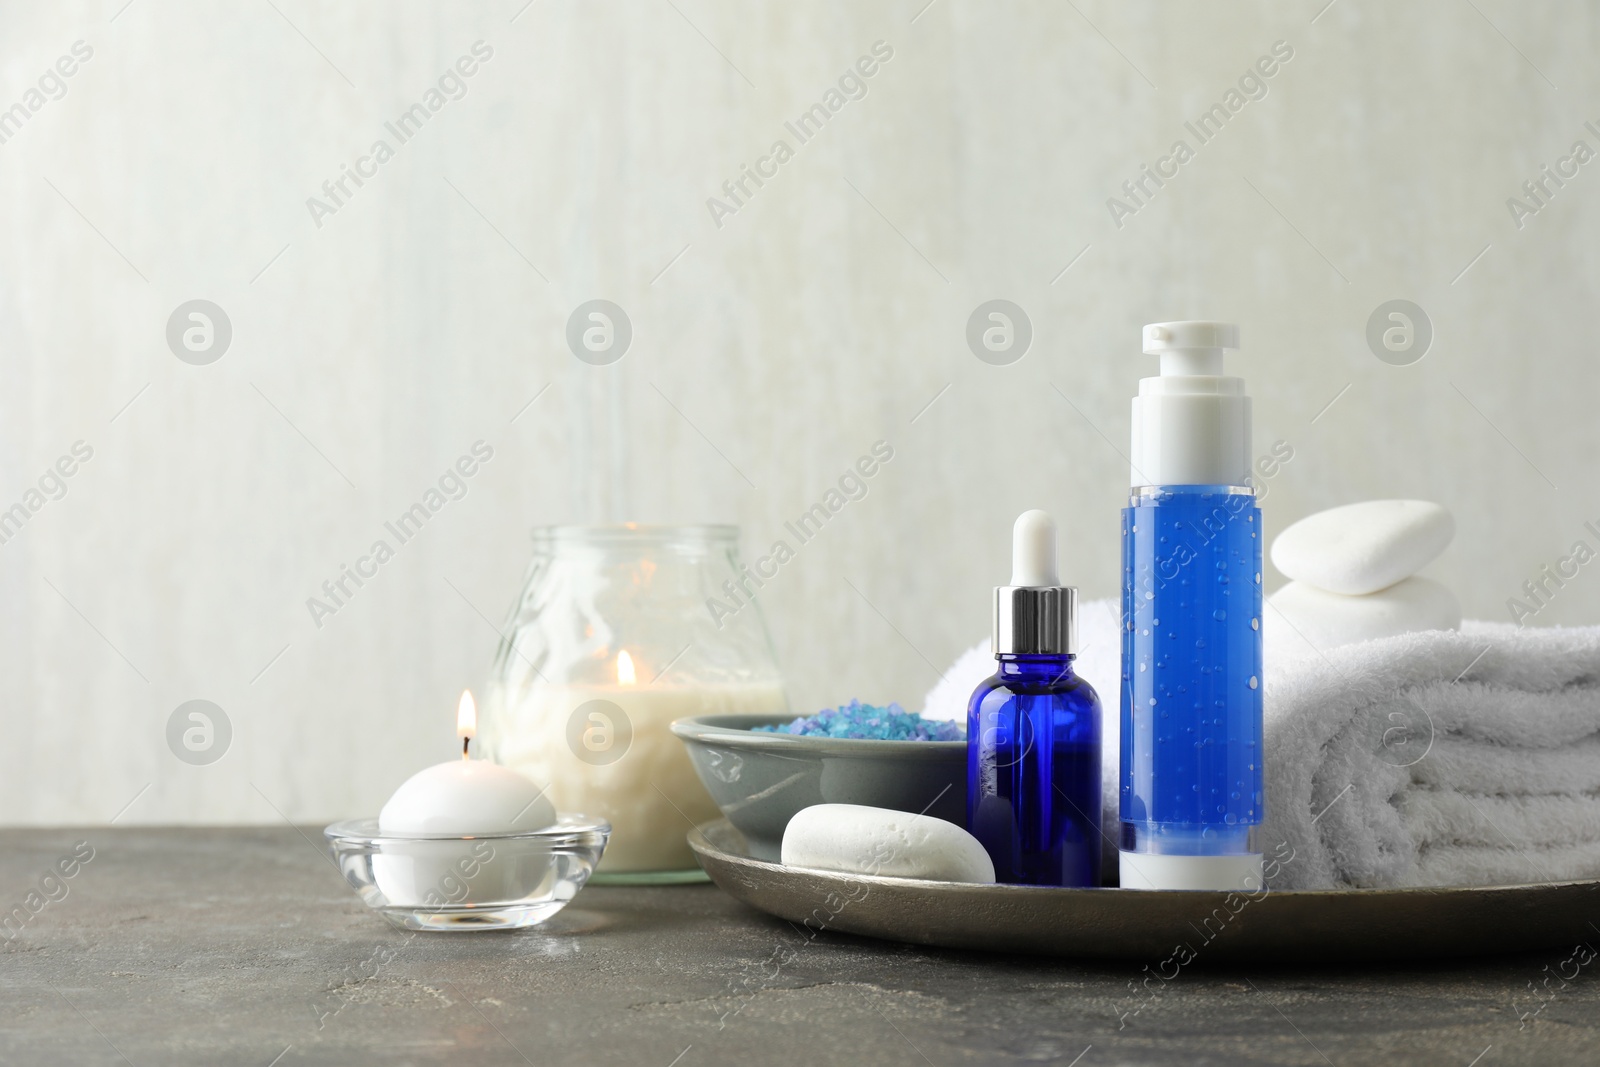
{"x": 1035, "y": 615}
{"x": 1033, "y": 551}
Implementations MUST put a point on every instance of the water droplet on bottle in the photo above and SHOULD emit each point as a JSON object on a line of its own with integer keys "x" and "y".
{"x": 1219, "y": 614}
{"x": 1255, "y": 624}
{"x": 1254, "y": 682}
{"x": 1230, "y": 818}
{"x": 1141, "y": 668}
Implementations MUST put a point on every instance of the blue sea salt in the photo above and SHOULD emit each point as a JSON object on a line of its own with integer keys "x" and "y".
{"x": 858, "y": 720}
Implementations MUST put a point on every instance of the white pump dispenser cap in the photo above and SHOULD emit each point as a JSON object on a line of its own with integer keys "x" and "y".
{"x": 1033, "y": 551}
{"x": 1191, "y": 425}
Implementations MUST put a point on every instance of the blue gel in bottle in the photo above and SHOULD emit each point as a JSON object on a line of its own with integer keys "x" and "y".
{"x": 1033, "y": 730}
{"x": 1191, "y": 729}
{"x": 1191, "y": 723}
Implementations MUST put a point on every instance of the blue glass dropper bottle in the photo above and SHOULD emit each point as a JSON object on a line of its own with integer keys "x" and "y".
{"x": 1033, "y": 729}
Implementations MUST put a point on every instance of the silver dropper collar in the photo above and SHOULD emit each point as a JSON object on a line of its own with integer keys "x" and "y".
{"x": 1035, "y": 620}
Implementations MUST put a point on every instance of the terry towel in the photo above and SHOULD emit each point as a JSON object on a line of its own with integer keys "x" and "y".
{"x": 1437, "y": 758}
{"x": 1427, "y": 759}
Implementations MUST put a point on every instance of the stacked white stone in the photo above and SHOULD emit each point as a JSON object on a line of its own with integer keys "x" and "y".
{"x": 1353, "y": 571}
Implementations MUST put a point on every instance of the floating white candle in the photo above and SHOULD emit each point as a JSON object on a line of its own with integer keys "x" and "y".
{"x": 464, "y": 799}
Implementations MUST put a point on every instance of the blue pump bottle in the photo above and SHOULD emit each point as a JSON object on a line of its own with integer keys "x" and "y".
{"x": 1033, "y": 729}
{"x": 1191, "y": 778}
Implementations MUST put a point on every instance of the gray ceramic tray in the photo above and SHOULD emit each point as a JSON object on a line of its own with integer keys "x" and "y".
{"x": 1163, "y": 929}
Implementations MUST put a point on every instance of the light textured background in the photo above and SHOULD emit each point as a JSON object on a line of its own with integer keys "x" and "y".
{"x": 822, "y": 317}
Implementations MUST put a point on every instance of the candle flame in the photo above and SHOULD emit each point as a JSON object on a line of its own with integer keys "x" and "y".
{"x": 466, "y": 715}
{"x": 625, "y": 674}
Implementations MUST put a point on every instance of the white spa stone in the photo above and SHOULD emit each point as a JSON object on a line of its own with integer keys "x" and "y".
{"x": 897, "y": 844}
{"x": 1300, "y": 613}
{"x": 1362, "y": 548}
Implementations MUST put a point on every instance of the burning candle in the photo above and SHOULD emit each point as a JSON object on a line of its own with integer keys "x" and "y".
{"x": 466, "y": 796}
{"x": 447, "y": 806}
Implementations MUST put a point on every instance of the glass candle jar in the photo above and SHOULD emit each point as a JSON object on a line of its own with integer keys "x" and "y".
{"x": 613, "y": 638}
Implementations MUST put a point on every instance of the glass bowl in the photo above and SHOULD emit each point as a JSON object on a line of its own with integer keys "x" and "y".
{"x": 458, "y": 883}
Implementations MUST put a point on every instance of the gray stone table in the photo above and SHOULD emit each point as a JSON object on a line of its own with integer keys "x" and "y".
{"x": 244, "y": 946}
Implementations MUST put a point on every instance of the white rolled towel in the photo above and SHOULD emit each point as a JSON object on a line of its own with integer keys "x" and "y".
{"x": 1437, "y": 758}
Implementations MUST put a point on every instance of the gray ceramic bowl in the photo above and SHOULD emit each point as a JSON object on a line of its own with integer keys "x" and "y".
{"x": 760, "y": 780}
